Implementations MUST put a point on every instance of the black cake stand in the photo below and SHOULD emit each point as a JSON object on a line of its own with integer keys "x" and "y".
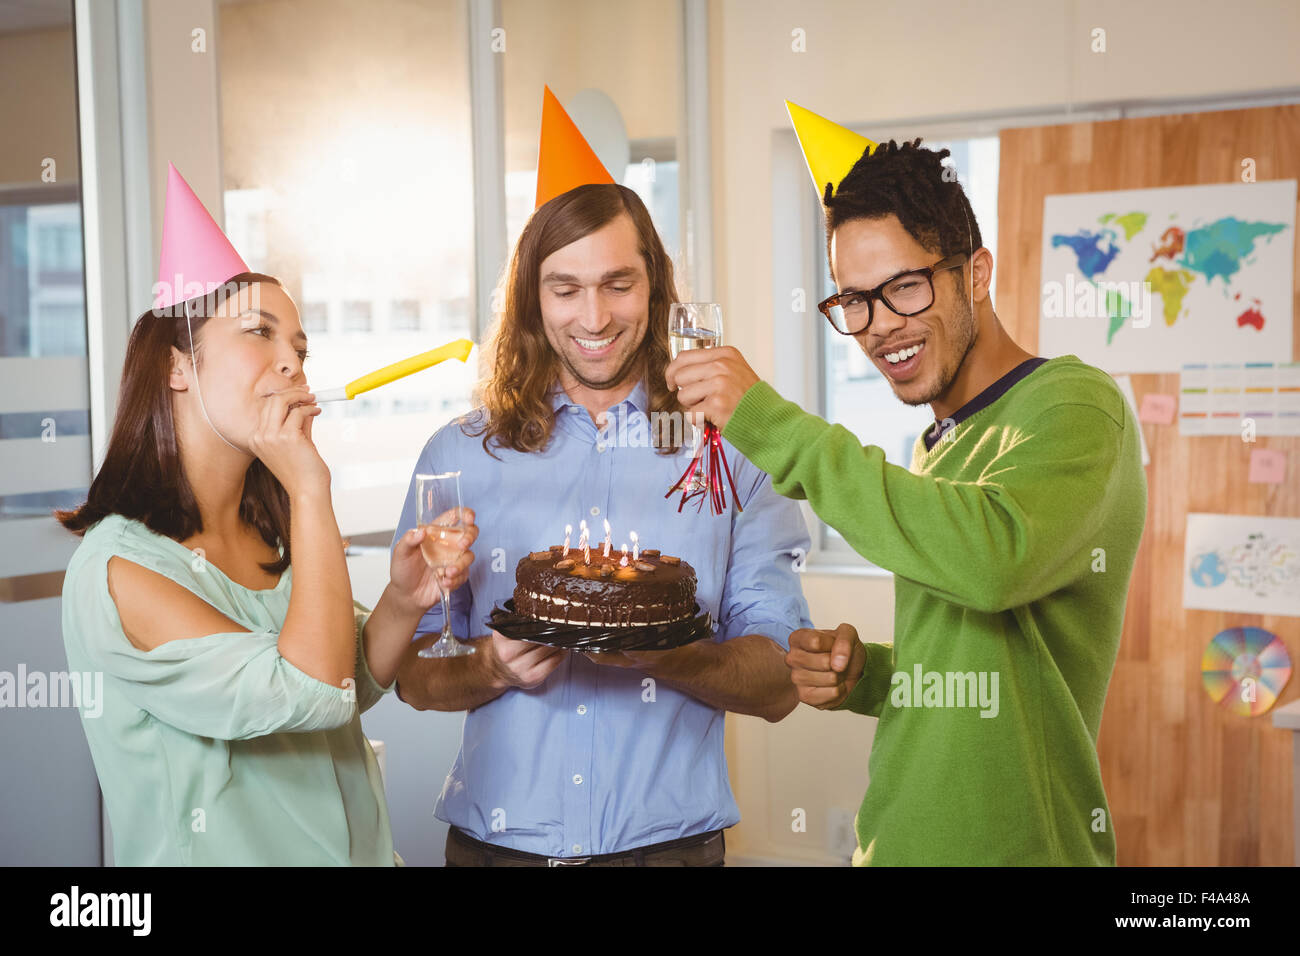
{"x": 649, "y": 637}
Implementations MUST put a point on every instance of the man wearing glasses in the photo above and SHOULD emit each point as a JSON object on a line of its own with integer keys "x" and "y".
{"x": 1012, "y": 537}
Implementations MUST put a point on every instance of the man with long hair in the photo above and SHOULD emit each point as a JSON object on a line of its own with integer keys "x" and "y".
{"x": 611, "y": 757}
{"x": 1012, "y": 537}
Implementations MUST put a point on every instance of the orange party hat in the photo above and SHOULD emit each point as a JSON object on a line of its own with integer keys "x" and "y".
{"x": 564, "y": 158}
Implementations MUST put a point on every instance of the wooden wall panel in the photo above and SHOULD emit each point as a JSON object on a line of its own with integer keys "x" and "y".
{"x": 1188, "y": 783}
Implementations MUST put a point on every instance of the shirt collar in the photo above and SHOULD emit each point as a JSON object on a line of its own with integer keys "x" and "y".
{"x": 638, "y": 398}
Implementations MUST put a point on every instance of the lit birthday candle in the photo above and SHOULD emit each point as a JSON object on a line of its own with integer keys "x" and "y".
{"x": 582, "y": 543}
{"x": 605, "y": 552}
{"x": 568, "y": 530}
{"x": 623, "y": 562}
{"x": 636, "y": 549}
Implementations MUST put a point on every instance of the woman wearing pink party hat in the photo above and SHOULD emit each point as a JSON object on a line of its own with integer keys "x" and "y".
{"x": 211, "y": 591}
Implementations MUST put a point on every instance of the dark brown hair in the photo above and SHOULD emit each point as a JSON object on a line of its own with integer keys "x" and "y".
{"x": 142, "y": 476}
{"x": 522, "y": 365}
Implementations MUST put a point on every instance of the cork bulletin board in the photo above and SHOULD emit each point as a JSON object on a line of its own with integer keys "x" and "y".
{"x": 1189, "y": 783}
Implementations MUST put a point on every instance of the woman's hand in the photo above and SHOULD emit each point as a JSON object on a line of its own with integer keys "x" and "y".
{"x": 282, "y": 441}
{"x": 414, "y": 582}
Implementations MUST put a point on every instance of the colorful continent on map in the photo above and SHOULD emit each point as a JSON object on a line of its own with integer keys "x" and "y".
{"x": 1088, "y": 251}
{"x": 1171, "y": 285}
{"x": 1131, "y": 222}
{"x": 1252, "y": 317}
{"x": 1217, "y": 249}
{"x": 1171, "y": 243}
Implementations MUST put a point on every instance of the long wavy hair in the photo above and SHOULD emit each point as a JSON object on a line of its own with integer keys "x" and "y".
{"x": 142, "y": 476}
{"x": 522, "y": 367}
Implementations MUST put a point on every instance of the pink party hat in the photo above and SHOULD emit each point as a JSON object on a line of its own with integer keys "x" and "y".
{"x": 196, "y": 255}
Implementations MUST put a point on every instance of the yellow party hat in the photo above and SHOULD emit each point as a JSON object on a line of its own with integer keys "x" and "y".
{"x": 829, "y": 149}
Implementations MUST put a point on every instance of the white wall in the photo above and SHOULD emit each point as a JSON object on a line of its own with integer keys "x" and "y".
{"x": 184, "y": 112}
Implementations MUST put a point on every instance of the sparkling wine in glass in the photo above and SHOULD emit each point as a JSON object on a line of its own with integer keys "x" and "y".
{"x": 439, "y": 510}
{"x": 694, "y": 325}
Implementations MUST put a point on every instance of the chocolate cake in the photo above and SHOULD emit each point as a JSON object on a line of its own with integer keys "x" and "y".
{"x": 653, "y": 589}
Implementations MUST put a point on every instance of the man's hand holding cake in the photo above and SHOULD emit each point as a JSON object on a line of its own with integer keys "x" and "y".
{"x": 499, "y": 664}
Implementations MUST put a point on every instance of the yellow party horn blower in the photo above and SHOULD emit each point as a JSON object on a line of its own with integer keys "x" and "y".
{"x": 459, "y": 349}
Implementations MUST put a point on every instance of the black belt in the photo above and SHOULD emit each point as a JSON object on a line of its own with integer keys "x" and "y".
{"x": 637, "y": 855}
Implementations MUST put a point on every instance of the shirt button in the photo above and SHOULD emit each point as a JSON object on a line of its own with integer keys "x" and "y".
{"x": 577, "y": 848}
{"x": 577, "y": 778}
{"x": 582, "y": 708}
{"x": 595, "y": 510}
{"x": 600, "y": 446}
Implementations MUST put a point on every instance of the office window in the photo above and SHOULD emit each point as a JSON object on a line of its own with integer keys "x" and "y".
{"x": 42, "y": 326}
{"x": 346, "y": 131}
{"x": 453, "y": 318}
{"x": 356, "y": 317}
{"x": 404, "y": 316}
{"x": 412, "y": 406}
{"x": 315, "y": 318}
{"x": 58, "y": 314}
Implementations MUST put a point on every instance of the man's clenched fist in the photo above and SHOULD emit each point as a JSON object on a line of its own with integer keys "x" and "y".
{"x": 825, "y": 665}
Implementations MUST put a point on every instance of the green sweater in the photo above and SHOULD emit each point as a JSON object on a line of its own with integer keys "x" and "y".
{"x": 1012, "y": 543}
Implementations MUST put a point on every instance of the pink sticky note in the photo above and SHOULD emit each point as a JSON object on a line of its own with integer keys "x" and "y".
{"x": 1267, "y": 466}
{"x": 1157, "y": 409}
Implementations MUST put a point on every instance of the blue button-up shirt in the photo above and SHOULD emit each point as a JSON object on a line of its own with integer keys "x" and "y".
{"x": 598, "y": 759}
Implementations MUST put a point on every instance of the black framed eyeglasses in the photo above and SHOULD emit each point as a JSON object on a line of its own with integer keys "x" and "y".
{"x": 907, "y": 293}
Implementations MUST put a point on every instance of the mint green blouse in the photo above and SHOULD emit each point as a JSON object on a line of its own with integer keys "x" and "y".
{"x": 215, "y": 750}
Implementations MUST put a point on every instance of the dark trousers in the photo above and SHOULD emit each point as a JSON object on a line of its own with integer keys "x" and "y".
{"x": 706, "y": 849}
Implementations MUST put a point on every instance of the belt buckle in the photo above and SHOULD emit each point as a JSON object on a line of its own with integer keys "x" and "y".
{"x": 562, "y": 861}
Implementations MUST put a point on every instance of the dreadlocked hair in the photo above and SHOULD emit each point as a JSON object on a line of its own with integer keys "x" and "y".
{"x": 910, "y": 183}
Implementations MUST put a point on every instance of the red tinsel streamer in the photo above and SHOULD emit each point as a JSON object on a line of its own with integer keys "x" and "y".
{"x": 715, "y": 467}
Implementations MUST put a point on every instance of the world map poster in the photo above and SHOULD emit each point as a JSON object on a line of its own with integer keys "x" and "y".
{"x": 1148, "y": 280}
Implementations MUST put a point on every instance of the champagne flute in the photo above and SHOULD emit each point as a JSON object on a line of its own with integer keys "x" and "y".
{"x": 694, "y": 325}
{"x": 698, "y": 325}
{"x": 441, "y": 546}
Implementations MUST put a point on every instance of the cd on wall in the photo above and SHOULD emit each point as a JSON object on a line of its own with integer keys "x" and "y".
{"x": 1245, "y": 669}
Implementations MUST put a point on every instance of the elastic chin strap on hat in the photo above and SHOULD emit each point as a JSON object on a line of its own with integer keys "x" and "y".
{"x": 970, "y": 244}
{"x": 199, "y": 388}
